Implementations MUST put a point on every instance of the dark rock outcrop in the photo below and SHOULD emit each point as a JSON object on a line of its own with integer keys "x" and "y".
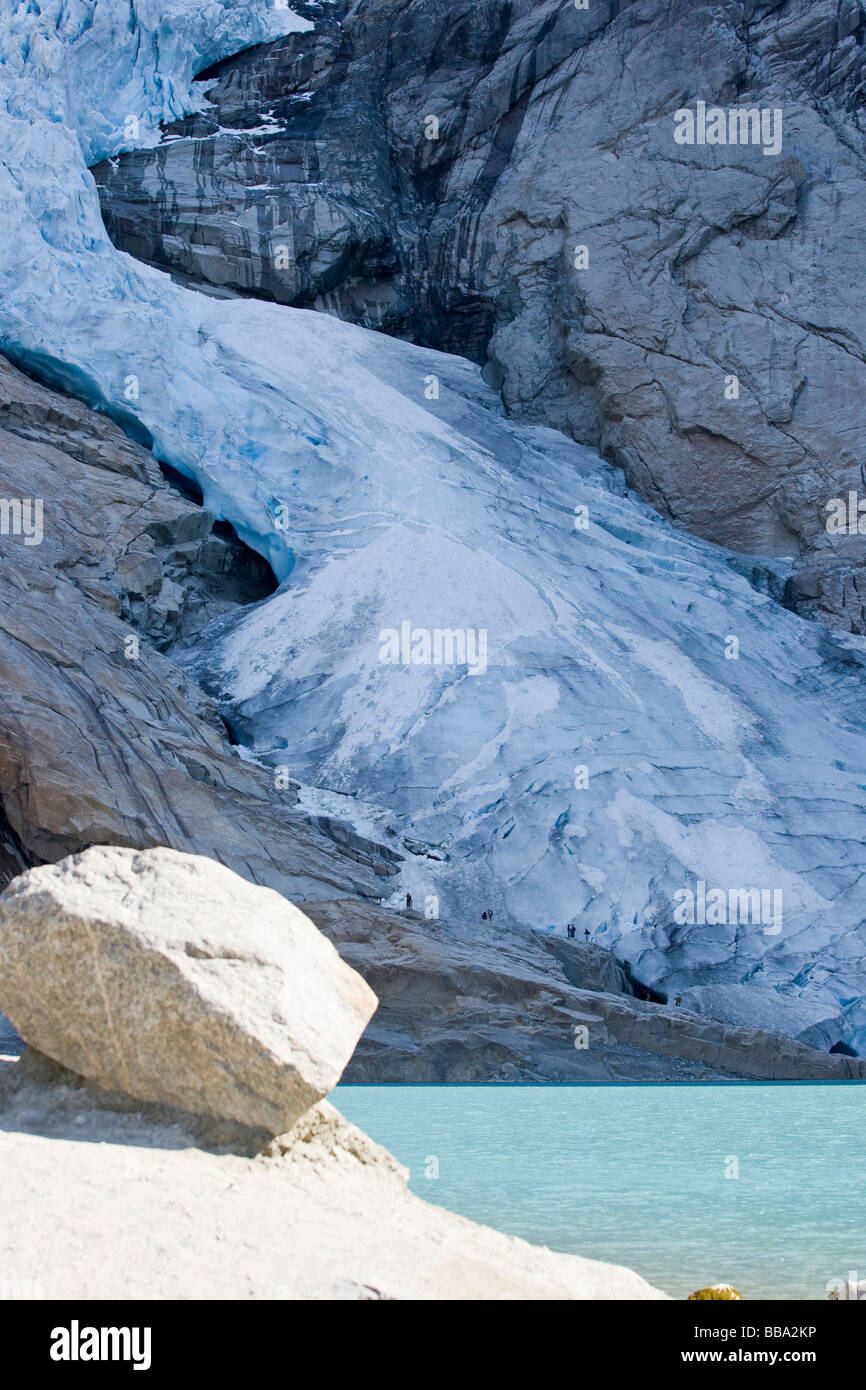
{"x": 322, "y": 179}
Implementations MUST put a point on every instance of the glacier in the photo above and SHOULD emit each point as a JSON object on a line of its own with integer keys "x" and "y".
{"x": 648, "y": 720}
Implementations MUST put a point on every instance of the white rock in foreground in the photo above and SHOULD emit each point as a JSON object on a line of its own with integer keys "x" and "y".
{"x": 324, "y": 1214}
{"x": 170, "y": 978}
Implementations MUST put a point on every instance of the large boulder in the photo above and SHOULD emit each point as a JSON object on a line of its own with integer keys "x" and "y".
{"x": 168, "y": 977}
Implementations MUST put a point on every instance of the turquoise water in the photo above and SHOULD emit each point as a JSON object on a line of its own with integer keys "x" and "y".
{"x": 636, "y": 1175}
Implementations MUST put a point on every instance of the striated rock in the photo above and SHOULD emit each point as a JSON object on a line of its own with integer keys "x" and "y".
{"x": 168, "y": 978}
{"x": 472, "y": 1005}
{"x": 246, "y": 209}
{"x": 555, "y": 131}
{"x": 586, "y": 965}
{"x": 135, "y": 545}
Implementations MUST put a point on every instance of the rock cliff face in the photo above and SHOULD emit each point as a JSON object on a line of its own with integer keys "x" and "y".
{"x": 433, "y": 169}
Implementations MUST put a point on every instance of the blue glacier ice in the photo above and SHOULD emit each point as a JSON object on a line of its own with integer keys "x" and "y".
{"x": 645, "y": 720}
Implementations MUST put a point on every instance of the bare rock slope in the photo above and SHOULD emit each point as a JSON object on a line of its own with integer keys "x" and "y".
{"x": 456, "y": 1006}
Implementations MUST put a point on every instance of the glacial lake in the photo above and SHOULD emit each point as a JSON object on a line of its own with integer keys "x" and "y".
{"x": 636, "y": 1175}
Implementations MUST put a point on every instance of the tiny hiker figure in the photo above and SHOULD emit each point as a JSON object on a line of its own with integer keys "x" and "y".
{"x": 408, "y": 899}
{"x": 586, "y": 933}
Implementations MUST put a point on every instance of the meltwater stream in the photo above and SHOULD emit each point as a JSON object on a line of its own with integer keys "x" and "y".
{"x": 637, "y": 1175}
